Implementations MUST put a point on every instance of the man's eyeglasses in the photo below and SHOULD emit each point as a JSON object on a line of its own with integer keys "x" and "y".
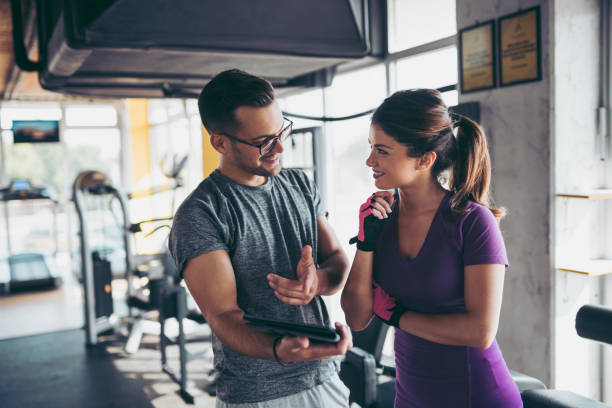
{"x": 269, "y": 143}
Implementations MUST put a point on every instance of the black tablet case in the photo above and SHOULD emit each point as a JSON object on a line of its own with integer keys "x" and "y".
{"x": 281, "y": 328}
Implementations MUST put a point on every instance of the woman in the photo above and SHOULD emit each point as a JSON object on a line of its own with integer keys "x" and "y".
{"x": 432, "y": 261}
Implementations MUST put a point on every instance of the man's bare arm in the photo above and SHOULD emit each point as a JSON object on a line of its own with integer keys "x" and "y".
{"x": 334, "y": 268}
{"x": 210, "y": 279}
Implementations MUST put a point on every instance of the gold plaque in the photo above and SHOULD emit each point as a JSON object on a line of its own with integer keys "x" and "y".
{"x": 519, "y": 45}
{"x": 477, "y": 57}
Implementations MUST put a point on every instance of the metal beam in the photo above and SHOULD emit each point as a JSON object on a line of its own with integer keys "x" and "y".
{"x": 15, "y": 74}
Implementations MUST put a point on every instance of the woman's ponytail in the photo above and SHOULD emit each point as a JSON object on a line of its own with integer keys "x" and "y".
{"x": 471, "y": 172}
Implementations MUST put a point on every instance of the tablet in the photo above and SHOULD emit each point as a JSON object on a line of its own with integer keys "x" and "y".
{"x": 281, "y": 328}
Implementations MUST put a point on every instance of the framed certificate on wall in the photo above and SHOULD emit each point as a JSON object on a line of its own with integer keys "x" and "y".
{"x": 477, "y": 57}
{"x": 519, "y": 47}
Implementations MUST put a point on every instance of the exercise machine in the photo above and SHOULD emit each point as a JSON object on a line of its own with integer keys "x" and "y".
{"x": 150, "y": 306}
{"x": 96, "y": 269}
{"x": 28, "y": 270}
{"x": 594, "y": 323}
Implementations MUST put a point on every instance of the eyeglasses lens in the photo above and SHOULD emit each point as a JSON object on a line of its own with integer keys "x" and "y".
{"x": 270, "y": 144}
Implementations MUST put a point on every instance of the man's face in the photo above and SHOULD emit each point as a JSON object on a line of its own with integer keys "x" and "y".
{"x": 256, "y": 125}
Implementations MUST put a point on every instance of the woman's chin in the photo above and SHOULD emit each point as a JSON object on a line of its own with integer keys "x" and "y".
{"x": 381, "y": 185}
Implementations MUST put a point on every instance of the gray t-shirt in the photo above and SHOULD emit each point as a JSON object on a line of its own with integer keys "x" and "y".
{"x": 263, "y": 229}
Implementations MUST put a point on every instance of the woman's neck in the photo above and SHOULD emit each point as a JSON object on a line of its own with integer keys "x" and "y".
{"x": 421, "y": 197}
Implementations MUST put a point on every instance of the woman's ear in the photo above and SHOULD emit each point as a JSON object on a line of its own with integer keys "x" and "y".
{"x": 427, "y": 160}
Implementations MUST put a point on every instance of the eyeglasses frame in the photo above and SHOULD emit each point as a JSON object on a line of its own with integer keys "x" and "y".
{"x": 267, "y": 140}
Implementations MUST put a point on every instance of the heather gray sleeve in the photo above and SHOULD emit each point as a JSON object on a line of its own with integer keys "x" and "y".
{"x": 197, "y": 228}
{"x": 316, "y": 198}
{"x": 312, "y": 190}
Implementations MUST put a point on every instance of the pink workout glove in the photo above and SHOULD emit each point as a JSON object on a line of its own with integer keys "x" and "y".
{"x": 369, "y": 227}
{"x": 385, "y": 306}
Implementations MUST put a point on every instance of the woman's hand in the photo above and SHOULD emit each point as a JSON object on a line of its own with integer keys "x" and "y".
{"x": 372, "y": 216}
{"x": 385, "y": 306}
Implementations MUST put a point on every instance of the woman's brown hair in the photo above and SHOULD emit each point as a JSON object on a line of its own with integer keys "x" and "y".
{"x": 419, "y": 119}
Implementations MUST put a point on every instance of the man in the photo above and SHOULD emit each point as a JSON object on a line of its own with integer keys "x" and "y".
{"x": 247, "y": 240}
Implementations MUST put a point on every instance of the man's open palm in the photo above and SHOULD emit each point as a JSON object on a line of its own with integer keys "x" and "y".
{"x": 303, "y": 290}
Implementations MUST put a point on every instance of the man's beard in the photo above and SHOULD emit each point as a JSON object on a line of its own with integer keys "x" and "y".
{"x": 259, "y": 171}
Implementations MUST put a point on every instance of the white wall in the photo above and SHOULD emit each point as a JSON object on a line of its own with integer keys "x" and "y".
{"x": 577, "y": 168}
{"x": 581, "y": 224}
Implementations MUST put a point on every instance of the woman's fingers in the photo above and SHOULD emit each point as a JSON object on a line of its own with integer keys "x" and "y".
{"x": 385, "y": 195}
{"x": 379, "y": 214}
{"x": 381, "y": 208}
{"x": 383, "y": 202}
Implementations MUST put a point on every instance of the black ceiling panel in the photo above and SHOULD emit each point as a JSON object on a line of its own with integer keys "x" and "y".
{"x": 167, "y": 48}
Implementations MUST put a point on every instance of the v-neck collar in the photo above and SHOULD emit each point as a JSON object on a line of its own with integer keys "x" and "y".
{"x": 424, "y": 245}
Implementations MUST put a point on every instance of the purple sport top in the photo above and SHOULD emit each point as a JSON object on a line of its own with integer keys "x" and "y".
{"x": 430, "y": 374}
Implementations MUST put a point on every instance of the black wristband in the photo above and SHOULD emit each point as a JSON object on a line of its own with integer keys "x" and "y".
{"x": 395, "y": 317}
{"x": 362, "y": 246}
{"x": 276, "y": 341}
{"x": 366, "y": 246}
{"x": 396, "y": 314}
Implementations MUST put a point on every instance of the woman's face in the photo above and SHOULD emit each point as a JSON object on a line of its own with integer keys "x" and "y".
{"x": 390, "y": 162}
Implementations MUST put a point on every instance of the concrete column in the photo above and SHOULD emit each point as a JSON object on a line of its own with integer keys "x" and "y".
{"x": 519, "y": 122}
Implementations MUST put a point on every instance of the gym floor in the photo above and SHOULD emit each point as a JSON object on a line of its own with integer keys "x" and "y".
{"x": 44, "y": 361}
{"x": 57, "y": 370}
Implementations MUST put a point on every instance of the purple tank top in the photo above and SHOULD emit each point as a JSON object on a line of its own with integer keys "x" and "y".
{"x": 430, "y": 374}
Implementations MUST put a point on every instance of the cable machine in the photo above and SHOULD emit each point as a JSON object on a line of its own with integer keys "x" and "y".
{"x": 95, "y": 268}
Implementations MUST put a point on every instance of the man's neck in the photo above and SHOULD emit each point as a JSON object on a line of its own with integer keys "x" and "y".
{"x": 240, "y": 176}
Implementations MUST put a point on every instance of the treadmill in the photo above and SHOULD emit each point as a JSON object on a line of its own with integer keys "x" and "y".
{"x": 28, "y": 271}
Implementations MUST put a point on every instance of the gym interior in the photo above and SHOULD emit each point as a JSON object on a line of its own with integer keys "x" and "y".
{"x": 101, "y": 141}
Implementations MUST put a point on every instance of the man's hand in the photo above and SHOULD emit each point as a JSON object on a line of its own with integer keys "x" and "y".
{"x": 298, "y": 292}
{"x": 301, "y": 349}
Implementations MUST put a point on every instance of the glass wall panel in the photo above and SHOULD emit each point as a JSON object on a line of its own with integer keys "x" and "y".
{"x": 299, "y": 149}
{"x": 349, "y": 178}
{"x": 34, "y": 112}
{"x": 309, "y": 103}
{"x": 91, "y": 115}
{"x": 451, "y": 98}
{"x": 430, "y": 70}
{"x": 93, "y": 149}
{"x": 417, "y": 22}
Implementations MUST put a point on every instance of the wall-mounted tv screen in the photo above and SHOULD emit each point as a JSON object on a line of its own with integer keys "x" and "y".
{"x": 35, "y": 131}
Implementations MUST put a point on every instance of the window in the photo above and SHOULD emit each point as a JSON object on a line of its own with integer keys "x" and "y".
{"x": 349, "y": 178}
{"x": 416, "y": 22}
{"x": 93, "y": 149}
{"x": 174, "y": 133}
{"x": 32, "y": 112}
{"x": 434, "y": 69}
{"x": 91, "y": 115}
{"x": 300, "y": 148}
{"x": 89, "y": 139}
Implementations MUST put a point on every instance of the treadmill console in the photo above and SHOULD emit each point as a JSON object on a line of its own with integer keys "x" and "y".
{"x": 20, "y": 185}
{"x": 21, "y": 189}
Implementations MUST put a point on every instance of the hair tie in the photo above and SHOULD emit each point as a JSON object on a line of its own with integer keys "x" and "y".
{"x": 456, "y": 119}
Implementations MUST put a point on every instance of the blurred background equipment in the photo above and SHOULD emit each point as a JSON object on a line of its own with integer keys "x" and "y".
{"x": 33, "y": 267}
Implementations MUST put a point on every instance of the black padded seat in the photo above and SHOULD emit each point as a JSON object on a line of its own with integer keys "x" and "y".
{"x": 525, "y": 382}
{"x": 558, "y": 399}
{"x": 385, "y": 394}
